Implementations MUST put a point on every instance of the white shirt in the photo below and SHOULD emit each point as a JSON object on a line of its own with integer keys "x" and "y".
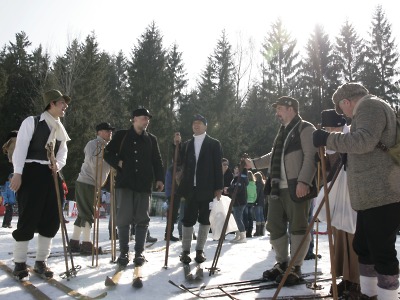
{"x": 198, "y": 141}
{"x": 24, "y": 138}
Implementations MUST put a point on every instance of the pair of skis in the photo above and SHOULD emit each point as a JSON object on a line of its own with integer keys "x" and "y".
{"x": 193, "y": 275}
{"x": 38, "y": 294}
{"x": 236, "y": 287}
{"x": 137, "y": 281}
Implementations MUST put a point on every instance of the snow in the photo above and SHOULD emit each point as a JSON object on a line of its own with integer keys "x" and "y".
{"x": 237, "y": 262}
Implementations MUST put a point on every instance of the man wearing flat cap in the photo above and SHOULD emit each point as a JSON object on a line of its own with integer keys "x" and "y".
{"x": 135, "y": 154}
{"x": 373, "y": 185}
{"x": 34, "y": 184}
{"x": 292, "y": 168}
{"x": 93, "y": 171}
{"x": 202, "y": 180}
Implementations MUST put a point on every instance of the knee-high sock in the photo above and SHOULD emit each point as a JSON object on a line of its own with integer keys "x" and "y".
{"x": 280, "y": 246}
{"x": 140, "y": 238}
{"x": 202, "y": 236}
{"x": 369, "y": 285}
{"x": 43, "y": 248}
{"x": 187, "y": 233}
{"x": 20, "y": 251}
{"x": 86, "y": 232}
{"x": 295, "y": 244}
{"x": 76, "y": 234}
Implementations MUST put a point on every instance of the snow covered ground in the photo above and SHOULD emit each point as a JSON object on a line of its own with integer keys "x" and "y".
{"x": 237, "y": 262}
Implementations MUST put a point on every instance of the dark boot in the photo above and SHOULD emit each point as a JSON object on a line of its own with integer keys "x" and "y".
{"x": 74, "y": 246}
{"x": 184, "y": 257}
{"x": 262, "y": 229}
{"x": 278, "y": 269}
{"x": 172, "y": 238}
{"x": 257, "y": 233}
{"x": 200, "y": 257}
{"x": 294, "y": 276}
{"x": 149, "y": 238}
{"x": 123, "y": 259}
{"x": 194, "y": 236}
{"x": 248, "y": 233}
{"x": 86, "y": 249}
{"x": 139, "y": 259}
{"x": 42, "y": 269}
{"x": 20, "y": 271}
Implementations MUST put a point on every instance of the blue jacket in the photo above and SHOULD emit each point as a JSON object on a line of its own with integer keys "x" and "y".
{"x": 8, "y": 195}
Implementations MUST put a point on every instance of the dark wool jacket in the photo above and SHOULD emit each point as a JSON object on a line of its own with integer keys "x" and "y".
{"x": 209, "y": 176}
{"x": 141, "y": 159}
{"x": 239, "y": 185}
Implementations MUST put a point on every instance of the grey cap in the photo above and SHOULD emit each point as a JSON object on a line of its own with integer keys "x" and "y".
{"x": 348, "y": 91}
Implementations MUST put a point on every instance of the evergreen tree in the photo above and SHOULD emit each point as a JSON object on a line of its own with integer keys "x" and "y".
{"x": 149, "y": 84}
{"x": 320, "y": 76}
{"x": 281, "y": 62}
{"x": 349, "y": 54}
{"x": 382, "y": 58}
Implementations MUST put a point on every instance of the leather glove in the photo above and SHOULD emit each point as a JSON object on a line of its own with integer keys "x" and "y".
{"x": 320, "y": 137}
{"x": 344, "y": 160}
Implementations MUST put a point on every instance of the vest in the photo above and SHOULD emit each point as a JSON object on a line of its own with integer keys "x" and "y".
{"x": 37, "y": 150}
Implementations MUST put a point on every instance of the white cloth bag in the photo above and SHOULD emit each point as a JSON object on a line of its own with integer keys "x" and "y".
{"x": 343, "y": 217}
{"x": 217, "y": 217}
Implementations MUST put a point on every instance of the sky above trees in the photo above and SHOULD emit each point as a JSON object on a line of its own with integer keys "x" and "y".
{"x": 195, "y": 26}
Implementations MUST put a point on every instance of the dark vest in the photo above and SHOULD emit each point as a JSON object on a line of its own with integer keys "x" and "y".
{"x": 37, "y": 150}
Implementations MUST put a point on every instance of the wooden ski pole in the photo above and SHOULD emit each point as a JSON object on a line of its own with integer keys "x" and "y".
{"x": 171, "y": 207}
{"x": 113, "y": 216}
{"x": 51, "y": 157}
{"x": 217, "y": 254}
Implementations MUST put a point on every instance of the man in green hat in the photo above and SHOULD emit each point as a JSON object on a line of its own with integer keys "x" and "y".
{"x": 33, "y": 180}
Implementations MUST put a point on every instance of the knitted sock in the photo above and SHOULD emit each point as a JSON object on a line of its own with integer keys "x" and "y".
{"x": 140, "y": 238}
{"x": 187, "y": 233}
{"x": 202, "y": 236}
{"x": 86, "y": 232}
{"x": 369, "y": 285}
{"x": 295, "y": 243}
{"x": 20, "y": 251}
{"x": 280, "y": 246}
{"x": 76, "y": 235}
{"x": 43, "y": 248}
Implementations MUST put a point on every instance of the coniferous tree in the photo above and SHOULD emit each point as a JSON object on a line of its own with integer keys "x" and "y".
{"x": 382, "y": 58}
{"x": 148, "y": 83}
{"x": 349, "y": 54}
{"x": 319, "y": 77}
{"x": 281, "y": 62}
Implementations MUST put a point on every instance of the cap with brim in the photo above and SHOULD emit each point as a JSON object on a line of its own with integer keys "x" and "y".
{"x": 287, "y": 101}
{"x": 348, "y": 91}
{"x": 141, "y": 112}
{"x": 329, "y": 118}
{"x": 104, "y": 126}
{"x": 199, "y": 117}
{"x": 55, "y": 95}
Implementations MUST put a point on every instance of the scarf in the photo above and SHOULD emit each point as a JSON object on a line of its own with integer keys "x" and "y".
{"x": 57, "y": 132}
{"x": 277, "y": 154}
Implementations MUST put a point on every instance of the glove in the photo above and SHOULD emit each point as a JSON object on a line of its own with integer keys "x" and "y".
{"x": 344, "y": 160}
{"x": 320, "y": 137}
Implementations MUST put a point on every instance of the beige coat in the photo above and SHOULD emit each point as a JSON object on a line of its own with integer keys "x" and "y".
{"x": 373, "y": 177}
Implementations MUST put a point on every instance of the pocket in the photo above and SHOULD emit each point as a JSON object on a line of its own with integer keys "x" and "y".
{"x": 292, "y": 184}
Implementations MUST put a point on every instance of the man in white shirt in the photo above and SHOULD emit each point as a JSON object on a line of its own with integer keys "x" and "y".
{"x": 34, "y": 184}
{"x": 202, "y": 180}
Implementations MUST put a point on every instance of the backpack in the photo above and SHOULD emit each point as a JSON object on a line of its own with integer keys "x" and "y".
{"x": 9, "y": 146}
{"x": 393, "y": 151}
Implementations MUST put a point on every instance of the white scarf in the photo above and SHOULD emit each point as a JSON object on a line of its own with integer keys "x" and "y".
{"x": 58, "y": 131}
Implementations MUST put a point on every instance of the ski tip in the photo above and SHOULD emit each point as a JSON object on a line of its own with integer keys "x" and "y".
{"x": 109, "y": 282}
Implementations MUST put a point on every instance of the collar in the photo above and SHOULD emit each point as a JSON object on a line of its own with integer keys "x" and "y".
{"x": 200, "y": 136}
{"x": 358, "y": 104}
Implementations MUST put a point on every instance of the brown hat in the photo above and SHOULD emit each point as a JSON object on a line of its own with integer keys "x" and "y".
{"x": 348, "y": 91}
{"x": 55, "y": 95}
{"x": 287, "y": 101}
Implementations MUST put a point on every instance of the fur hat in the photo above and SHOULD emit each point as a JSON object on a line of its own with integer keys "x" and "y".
{"x": 348, "y": 91}
{"x": 199, "y": 117}
{"x": 329, "y": 118}
{"x": 287, "y": 101}
{"x": 55, "y": 95}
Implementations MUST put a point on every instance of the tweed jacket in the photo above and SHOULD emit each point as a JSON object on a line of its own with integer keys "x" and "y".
{"x": 209, "y": 177}
{"x": 372, "y": 176}
{"x": 141, "y": 160}
{"x": 299, "y": 154}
